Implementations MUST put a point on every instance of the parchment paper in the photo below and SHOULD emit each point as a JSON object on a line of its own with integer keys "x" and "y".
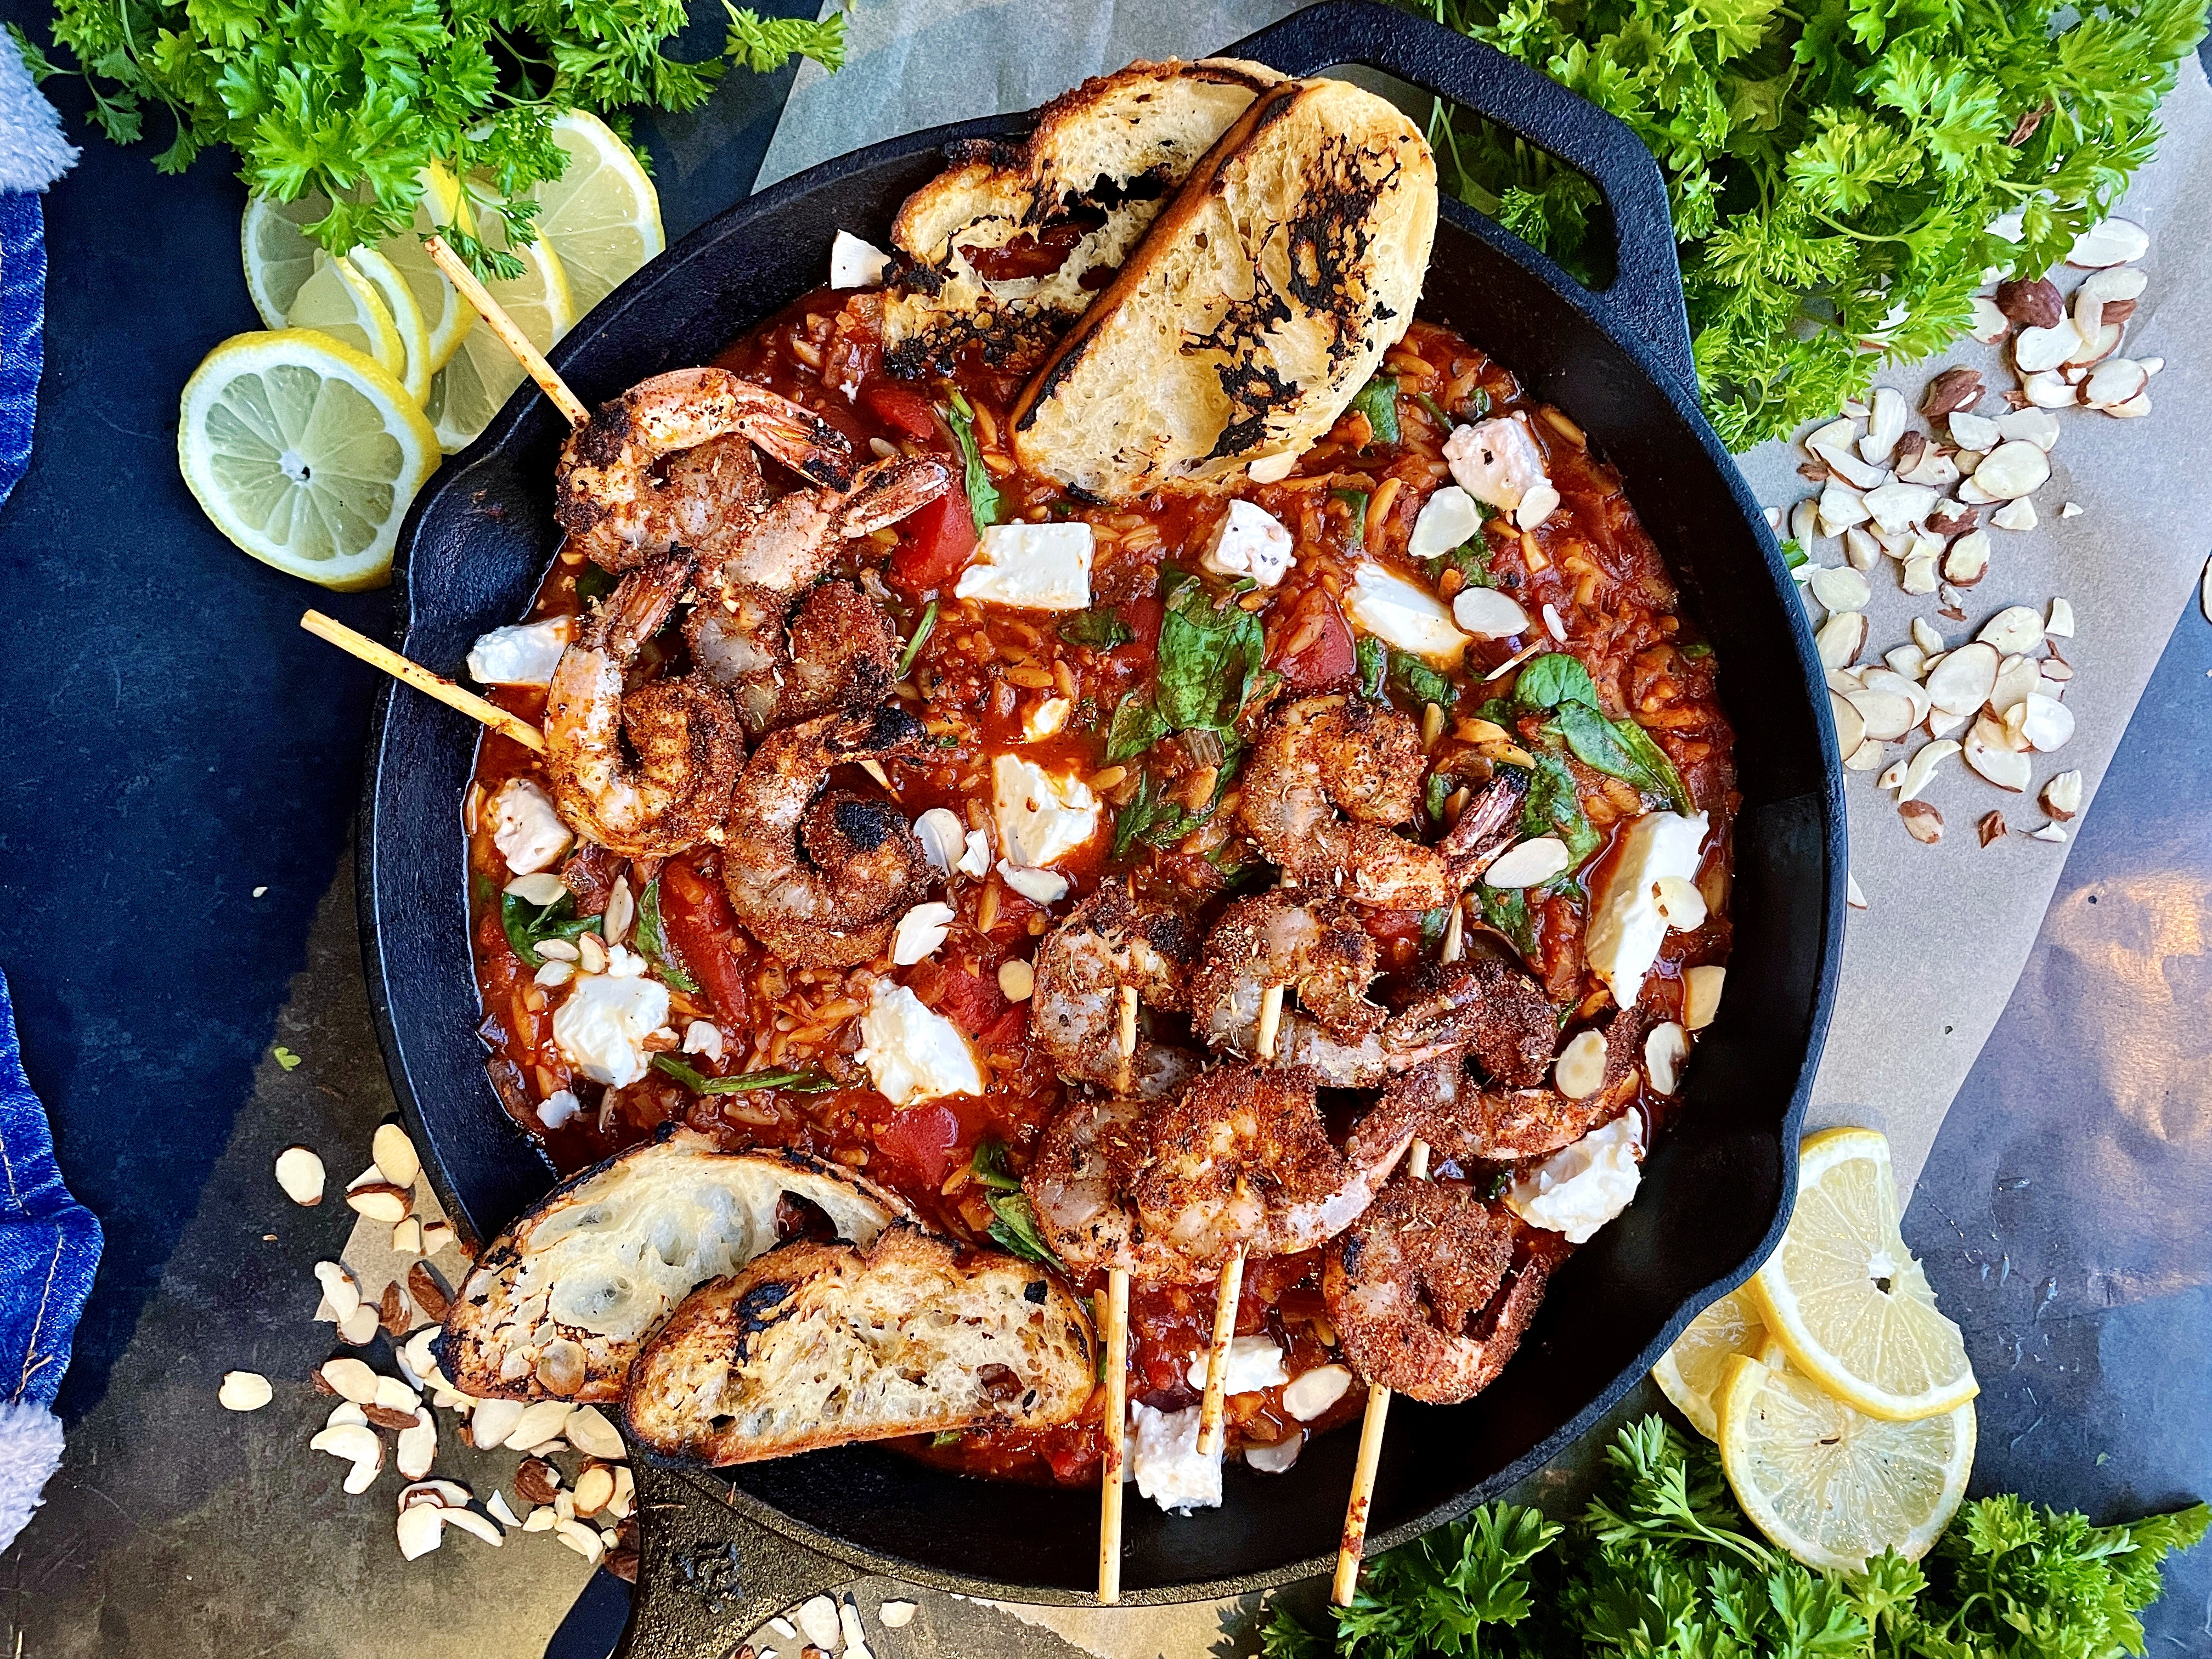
{"x": 1930, "y": 965}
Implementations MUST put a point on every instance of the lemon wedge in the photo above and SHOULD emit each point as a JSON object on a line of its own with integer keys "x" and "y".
{"x": 478, "y": 377}
{"x": 338, "y": 301}
{"x": 1831, "y": 1485}
{"x": 602, "y": 214}
{"x": 1846, "y": 1298}
{"x": 1690, "y": 1371}
{"x": 304, "y": 452}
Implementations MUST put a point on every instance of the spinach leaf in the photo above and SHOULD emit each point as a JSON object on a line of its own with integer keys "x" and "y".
{"x": 1697, "y": 650}
{"x": 528, "y": 925}
{"x": 1623, "y": 750}
{"x": 982, "y": 494}
{"x": 1506, "y": 908}
{"x": 1371, "y": 661}
{"x": 1551, "y": 808}
{"x": 1153, "y": 818}
{"x": 1356, "y": 535}
{"x": 988, "y": 1166}
{"x": 1434, "y": 794}
{"x": 594, "y": 582}
{"x": 1213, "y": 658}
{"x": 1378, "y": 402}
{"x": 1553, "y": 679}
{"x": 1471, "y": 560}
{"x": 1136, "y": 726}
{"x": 799, "y": 1083}
{"x": 1014, "y": 1226}
{"x": 1097, "y": 627}
{"x": 651, "y": 939}
{"x": 1422, "y": 683}
{"x": 922, "y": 630}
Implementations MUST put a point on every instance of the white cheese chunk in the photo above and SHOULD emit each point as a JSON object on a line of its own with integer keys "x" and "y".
{"x": 918, "y": 932}
{"x": 1626, "y": 925}
{"x": 856, "y": 263}
{"x": 1046, "y": 720}
{"x": 1579, "y": 1188}
{"x": 603, "y": 1024}
{"x": 557, "y": 1108}
{"x": 913, "y": 1052}
{"x": 1041, "y": 819}
{"x": 1311, "y": 1392}
{"x": 526, "y": 829}
{"x": 1249, "y": 541}
{"x": 1449, "y": 518}
{"x": 1253, "y": 1363}
{"x": 1403, "y": 613}
{"x": 1278, "y": 1457}
{"x": 1165, "y": 1458}
{"x": 1496, "y": 461}
{"x": 1037, "y": 886}
{"x": 1035, "y": 567}
{"x": 525, "y": 653}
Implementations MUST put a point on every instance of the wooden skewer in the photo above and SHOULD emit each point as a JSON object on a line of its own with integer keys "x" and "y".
{"x": 1128, "y": 1038}
{"x": 1352, "y": 1546}
{"x": 1117, "y": 1413}
{"x": 495, "y": 317}
{"x": 434, "y": 685}
{"x": 1229, "y": 1289}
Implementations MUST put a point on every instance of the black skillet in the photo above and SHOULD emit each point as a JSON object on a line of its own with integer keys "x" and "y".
{"x": 718, "y": 1557}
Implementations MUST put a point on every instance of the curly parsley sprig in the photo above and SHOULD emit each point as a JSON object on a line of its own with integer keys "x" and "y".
{"x": 1834, "y": 165}
{"x": 354, "y": 99}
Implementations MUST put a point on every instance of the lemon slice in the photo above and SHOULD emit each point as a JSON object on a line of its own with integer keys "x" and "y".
{"x": 1846, "y": 1298}
{"x": 477, "y": 379}
{"x": 602, "y": 214}
{"x": 446, "y": 316}
{"x": 279, "y": 259}
{"x": 406, "y": 317}
{"x": 1688, "y": 1372}
{"x": 1831, "y": 1485}
{"x": 305, "y": 453}
{"x": 340, "y": 302}
{"x": 274, "y": 247}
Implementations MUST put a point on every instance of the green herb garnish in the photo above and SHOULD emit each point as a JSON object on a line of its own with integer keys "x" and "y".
{"x": 1620, "y": 749}
{"x": 1371, "y": 660}
{"x": 1213, "y": 658}
{"x": 1097, "y": 627}
{"x": 1356, "y": 500}
{"x": 1378, "y": 402}
{"x": 1471, "y": 560}
{"x": 1149, "y": 817}
{"x": 1551, "y": 807}
{"x": 988, "y": 1166}
{"x": 1794, "y": 554}
{"x": 1697, "y": 650}
{"x": 1434, "y": 794}
{"x": 982, "y": 494}
{"x": 1418, "y": 681}
{"x": 1136, "y": 726}
{"x": 1506, "y": 908}
{"x": 529, "y": 926}
{"x": 922, "y": 630}
{"x": 1015, "y": 1224}
{"x": 593, "y": 582}
{"x": 650, "y": 937}
{"x": 798, "y": 1083}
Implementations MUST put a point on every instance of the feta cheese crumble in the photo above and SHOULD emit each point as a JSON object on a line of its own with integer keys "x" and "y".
{"x": 1579, "y": 1188}
{"x": 1626, "y": 925}
{"x": 1035, "y": 567}
{"x": 1046, "y": 720}
{"x": 1403, "y": 613}
{"x": 913, "y": 1052}
{"x": 526, "y": 829}
{"x": 856, "y": 263}
{"x": 524, "y": 654}
{"x": 1041, "y": 819}
{"x": 1255, "y": 1363}
{"x": 1164, "y": 1456}
{"x": 603, "y": 1024}
{"x": 1249, "y": 541}
{"x": 1498, "y": 462}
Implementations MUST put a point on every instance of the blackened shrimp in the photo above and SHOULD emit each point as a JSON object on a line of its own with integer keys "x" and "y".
{"x": 1446, "y": 1104}
{"x": 1329, "y": 779}
{"x": 1110, "y": 942}
{"x": 839, "y": 648}
{"x": 663, "y": 465}
{"x": 1079, "y": 1185}
{"x": 820, "y": 879}
{"x": 1431, "y": 1289}
{"x": 672, "y": 790}
{"x": 1486, "y": 1002}
{"x": 1309, "y": 941}
{"x": 1242, "y": 1158}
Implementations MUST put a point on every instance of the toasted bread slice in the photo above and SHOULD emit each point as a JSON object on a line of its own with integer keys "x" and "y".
{"x": 820, "y": 1345}
{"x": 1255, "y": 309}
{"x": 601, "y": 1262}
{"x": 1092, "y": 176}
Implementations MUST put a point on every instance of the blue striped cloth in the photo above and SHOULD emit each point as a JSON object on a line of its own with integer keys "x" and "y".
{"x": 22, "y": 329}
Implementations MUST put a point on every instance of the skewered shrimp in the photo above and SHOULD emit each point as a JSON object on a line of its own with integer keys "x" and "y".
{"x": 1079, "y": 1187}
{"x": 1431, "y": 1289}
{"x": 1108, "y": 943}
{"x": 1485, "y": 1002}
{"x": 1309, "y": 941}
{"x": 1329, "y": 779}
{"x": 753, "y": 577}
{"x": 685, "y": 734}
{"x": 836, "y": 902}
{"x": 1442, "y": 1102}
{"x": 606, "y": 495}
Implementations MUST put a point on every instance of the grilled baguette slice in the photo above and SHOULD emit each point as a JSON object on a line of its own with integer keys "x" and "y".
{"x": 821, "y": 1345}
{"x": 608, "y": 1253}
{"x": 1101, "y": 162}
{"x": 1256, "y": 307}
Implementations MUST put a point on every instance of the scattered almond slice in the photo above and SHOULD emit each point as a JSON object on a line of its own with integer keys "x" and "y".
{"x": 2046, "y": 723}
{"x": 359, "y": 1328}
{"x": 1854, "y": 895}
{"x": 2061, "y": 623}
{"x": 2110, "y": 242}
{"x": 1961, "y": 681}
{"x": 1990, "y": 324}
{"x": 2036, "y": 425}
{"x": 300, "y": 1173}
{"x": 1921, "y": 766}
{"x": 2016, "y": 514}
{"x": 2016, "y": 628}
{"x": 418, "y": 1445}
{"x": 1991, "y": 828}
{"x": 493, "y": 1420}
{"x": 590, "y": 1432}
{"x": 420, "y": 1530}
{"x": 595, "y": 1489}
{"x": 395, "y": 1155}
{"x": 1919, "y": 577}
{"x": 2062, "y": 795}
{"x": 540, "y": 1420}
{"x": 897, "y": 1615}
{"x": 1986, "y": 750}
{"x": 1922, "y": 822}
{"x": 380, "y": 1200}
{"x": 244, "y": 1391}
{"x": 474, "y": 1524}
{"x": 341, "y": 1290}
{"x": 407, "y": 1236}
{"x": 2049, "y": 832}
{"x": 1968, "y": 559}
{"x": 584, "y": 1540}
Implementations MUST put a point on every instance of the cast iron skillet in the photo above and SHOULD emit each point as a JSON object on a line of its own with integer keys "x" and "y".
{"x": 1716, "y": 1189}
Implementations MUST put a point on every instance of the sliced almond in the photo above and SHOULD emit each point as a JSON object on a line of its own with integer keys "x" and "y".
{"x": 380, "y": 1200}
{"x": 1907, "y": 662}
{"x": 1934, "y": 467}
{"x": 1841, "y": 506}
{"x": 1860, "y": 475}
{"x": 1947, "y": 518}
{"x": 625, "y": 1497}
{"x": 2062, "y": 795}
{"x": 2036, "y": 351}
{"x": 386, "y": 1417}
{"x": 1854, "y": 895}
{"x": 2046, "y": 723}
{"x": 591, "y": 1433}
{"x": 2049, "y": 832}
{"x": 1986, "y": 750}
{"x": 561, "y": 1367}
{"x": 2048, "y": 389}
{"x": 300, "y": 1173}
{"x": 1955, "y": 388}
{"x": 595, "y": 1487}
{"x": 417, "y": 1446}
{"x": 2095, "y": 347}
{"x": 1885, "y": 421}
{"x": 1925, "y": 636}
{"x": 2015, "y": 514}
{"x": 583, "y": 1540}
{"x": 2061, "y": 623}
{"x": 1922, "y": 822}
{"x": 493, "y": 1420}
{"x": 356, "y": 1442}
{"x": 1701, "y": 996}
{"x": 244, "y": 1391}
{"x": 1990, "y": 324}
{"x": 2017, "y": 677}
{"x": 1962, "y": 680}
{"x": 428, "y": 1286}
{"x": 1897, "y": 507}
{"x": 407, "y": 1236}
{"x": 1968, "y": 559}
{"x": 395, "y": 1155}
{"x": 2112, "y": 242}
{"x": 1579, "y": 1072}
{"x": 501, "y": 1511}
{"x": 1804, "y": 522}
{"x": 348, "y": 1379}
{"x": 1903, "y": 685}
{"x": 536, "y": 1481}
{"x": 1921, "y": 768}
{"x": 2038, "y": 426}
{"x": 1836, "y": 434}
{"x": 1991, "y": 827}
{"x": 1886, "y": 714}
{"x": 1892, "y": 776}
{"x": 1976, "y": 432}
{"x": 359, "y": 1327}
{"x": 420, "y": 1530}
{"x": 2013, "y": 468}
{"x": 1850, "y": 725}
{"x": 341, "y": 1290}
{"x": 392, "y": 1311}
{"x": 541, "y": 1420}
{"x": 1861, "y": 551}
{"x": 345, "y": 1411}
{"x": 415, "y": 1355}
{"x": 438, "y": 1237}
{"x": 396, "y": 1395}
{"x": 475, "y": 1525}
{"x": 1664, "y": 1051}
{"x": 1840, "y": 642}
{"x": 2134, "y": 408}
{"x": 2113, "y": 381}
{"x": 1865, "y": 757}
{"x": 1918, "y": 577}
{"x": 2014, "y": 631}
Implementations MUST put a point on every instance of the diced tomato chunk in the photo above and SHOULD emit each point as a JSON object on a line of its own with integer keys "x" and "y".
{"x": 696, "y": 917}
{"x": 1007, "y": 1029}
{"x": 1142, "y": 618}
{"x": 1327, "y": 658}
{"x": 902, "y": 406}
{"x": 919, "y": 1139}
{"x": 935, "y": 542}
{"x": 969, "y": 1000}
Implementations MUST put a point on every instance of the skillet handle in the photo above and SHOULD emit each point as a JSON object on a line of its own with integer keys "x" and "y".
{"x": 706, "y": 1572}
{"x": 1645, "y": 299}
